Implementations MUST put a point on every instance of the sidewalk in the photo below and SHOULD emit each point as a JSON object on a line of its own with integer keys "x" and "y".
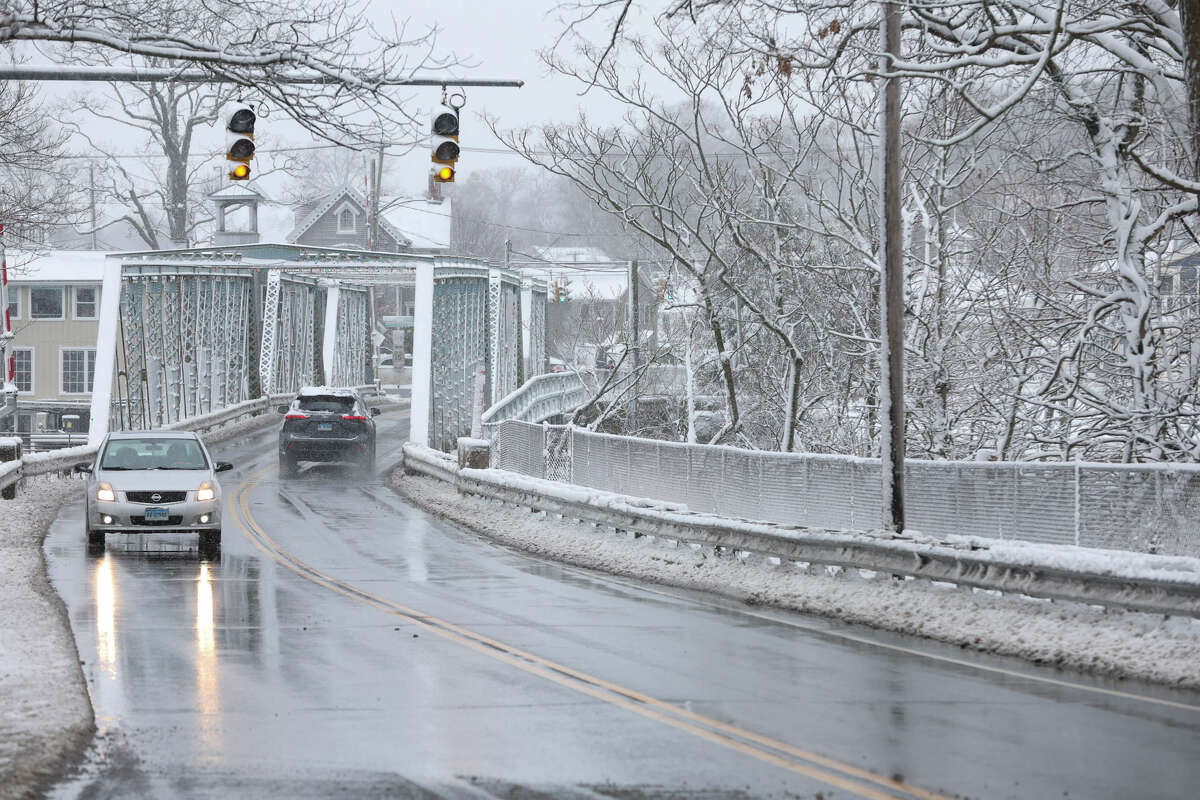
{"x": 45, "y": 713}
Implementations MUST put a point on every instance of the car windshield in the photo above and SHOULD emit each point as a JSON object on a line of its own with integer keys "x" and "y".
{"x": 339, "y": 404}
{"x": 128, "y": 454}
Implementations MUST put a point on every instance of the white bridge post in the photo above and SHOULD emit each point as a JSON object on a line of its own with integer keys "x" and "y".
{"x": 422, "y": 368}
{"x": 106, "y": 350}
{"x": 329, "y": 339}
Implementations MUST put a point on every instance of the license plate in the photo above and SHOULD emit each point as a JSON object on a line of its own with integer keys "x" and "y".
{"x": 324, "y": 426}
{"x": 156, "y": 513}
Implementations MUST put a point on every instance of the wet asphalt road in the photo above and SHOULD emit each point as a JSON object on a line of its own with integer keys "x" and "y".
{"x": 348, "y": 645}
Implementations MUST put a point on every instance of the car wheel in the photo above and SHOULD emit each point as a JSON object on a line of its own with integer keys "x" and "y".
{"x": 210, "y": 542}
{"x": 95, "y": 539}
{"x": 287, "y": 466}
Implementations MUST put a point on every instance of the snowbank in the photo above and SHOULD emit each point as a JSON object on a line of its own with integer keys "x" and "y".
{"x": 45, "y": 713}
{"x": 1110, "y": 643}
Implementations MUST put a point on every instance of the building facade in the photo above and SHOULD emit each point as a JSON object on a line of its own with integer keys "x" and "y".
{"x": 54, "y": 305}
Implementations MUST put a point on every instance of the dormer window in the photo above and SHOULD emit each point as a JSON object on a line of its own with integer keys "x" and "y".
{"x": 346, "y": 220}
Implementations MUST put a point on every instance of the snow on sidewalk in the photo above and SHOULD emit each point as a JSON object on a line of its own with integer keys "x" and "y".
{"x": 1115, "y": 644}
{"x": 45, "y": 712}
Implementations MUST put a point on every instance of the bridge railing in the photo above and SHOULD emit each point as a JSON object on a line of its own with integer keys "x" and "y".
{"x": 1149, "y": 508}
{"x": 539, "y": 398}
{"x": 559, "y": 393}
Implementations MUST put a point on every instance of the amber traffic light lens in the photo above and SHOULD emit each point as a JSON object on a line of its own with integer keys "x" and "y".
{"x": 240, "y": 173}
{"x": 445, "y": 173}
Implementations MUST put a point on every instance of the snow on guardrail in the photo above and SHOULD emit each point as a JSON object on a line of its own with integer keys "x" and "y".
{"x": 1137, "y": 582}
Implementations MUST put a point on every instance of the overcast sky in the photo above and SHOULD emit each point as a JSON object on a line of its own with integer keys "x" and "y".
{"x": 501, "y": 40}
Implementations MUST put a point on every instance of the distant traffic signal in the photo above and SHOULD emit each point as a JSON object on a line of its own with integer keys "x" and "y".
{"x": 445, "y": 145}
{"x": 239, "y": 139}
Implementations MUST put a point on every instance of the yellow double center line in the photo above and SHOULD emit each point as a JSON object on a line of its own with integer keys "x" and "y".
{"x": 860, "y": 782}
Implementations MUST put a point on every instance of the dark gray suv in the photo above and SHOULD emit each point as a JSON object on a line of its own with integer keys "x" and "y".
{"x": 329, "y": 425}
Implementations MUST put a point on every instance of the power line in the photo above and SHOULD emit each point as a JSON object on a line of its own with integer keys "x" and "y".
{"x": 408, "y": 147}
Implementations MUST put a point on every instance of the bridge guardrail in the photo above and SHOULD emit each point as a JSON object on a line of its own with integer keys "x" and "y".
{"x": 1157, "y": 584}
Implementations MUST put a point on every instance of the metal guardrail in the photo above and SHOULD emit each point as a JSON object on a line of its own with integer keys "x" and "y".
{"x": 1172, "y": 588}
{"x": 1146, "y": 508}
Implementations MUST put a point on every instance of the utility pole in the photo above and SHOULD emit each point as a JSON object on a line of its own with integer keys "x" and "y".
{"x": 377, "y": 179}
{"x": 634, "y": 341}
{"x": 891, "y": 284}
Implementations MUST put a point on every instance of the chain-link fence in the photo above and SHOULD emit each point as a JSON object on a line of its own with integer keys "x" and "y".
{"x": 1145, "y": 508}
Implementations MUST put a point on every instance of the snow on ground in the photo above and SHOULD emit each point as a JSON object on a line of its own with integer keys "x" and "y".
{"x": 45, "y": 713}
{"x": 1110, "y": 643}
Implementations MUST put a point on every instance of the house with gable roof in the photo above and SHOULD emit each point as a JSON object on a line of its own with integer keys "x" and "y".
{"x": 342, "y": 219}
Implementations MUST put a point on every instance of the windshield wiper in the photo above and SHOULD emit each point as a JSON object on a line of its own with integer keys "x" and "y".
{"x": 192, "y": 469}
{"x": 119, "y": 469}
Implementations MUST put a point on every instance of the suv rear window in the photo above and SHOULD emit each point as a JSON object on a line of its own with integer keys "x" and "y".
{"x": 325, "y": 402}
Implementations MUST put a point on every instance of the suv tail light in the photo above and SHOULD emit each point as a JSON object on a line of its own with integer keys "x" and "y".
{"x": 296, "y": 416}
{"x": 354, "y": 417}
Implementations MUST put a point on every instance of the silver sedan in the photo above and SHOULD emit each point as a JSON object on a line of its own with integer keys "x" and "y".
{"x": 153, "y": 482}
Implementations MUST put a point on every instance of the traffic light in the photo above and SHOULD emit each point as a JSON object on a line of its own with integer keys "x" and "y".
{"x": 556, "y": 291}
{"x": 239, "y": 139}
{"x": 662, "y": 290}
{"x": 445, "y": 145}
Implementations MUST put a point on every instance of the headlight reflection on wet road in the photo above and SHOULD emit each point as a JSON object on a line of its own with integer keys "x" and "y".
{"x": 208, "y": 694}
{"x": 106, "y": 608}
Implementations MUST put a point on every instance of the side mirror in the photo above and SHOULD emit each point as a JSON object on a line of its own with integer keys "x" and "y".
{"x": 223, "y": 466}
{"x": 281, "y": 409}
{"x": 83, "y": 468}
{"x": 375, "y": 412}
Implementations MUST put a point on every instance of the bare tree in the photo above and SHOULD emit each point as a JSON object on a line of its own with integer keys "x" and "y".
{"x": 254, "y": 44}
{"x": 35, "y": 181}
{"x": 165, "y": 117}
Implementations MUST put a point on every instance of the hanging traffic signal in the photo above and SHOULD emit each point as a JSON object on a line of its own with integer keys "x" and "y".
{"x": 662, "y": 290}
{"x": 556, "y": 291}
{"x": 445, "y": 145}
{"x": 239, "y": 139}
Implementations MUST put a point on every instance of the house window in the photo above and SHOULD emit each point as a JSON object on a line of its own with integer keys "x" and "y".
{"x": 78, "y": 370}
{"x": 45, "y": 302}
{"x": 345, "y": 221}
{"x": 85, "y": 302}
{"x": 23, "y": 368}
{"x": 14, "y": 302}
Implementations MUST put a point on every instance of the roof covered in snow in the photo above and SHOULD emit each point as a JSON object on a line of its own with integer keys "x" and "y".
{"x": 56, "y": 266}
{"x": 235, "y": 191}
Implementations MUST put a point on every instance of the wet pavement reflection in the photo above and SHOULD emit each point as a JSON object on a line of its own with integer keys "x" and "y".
{"x": 238, "y": 677}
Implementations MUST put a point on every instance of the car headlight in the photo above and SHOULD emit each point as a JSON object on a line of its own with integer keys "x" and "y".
{"x": 106, "y": 493}
{"x": 205, "y": 492}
